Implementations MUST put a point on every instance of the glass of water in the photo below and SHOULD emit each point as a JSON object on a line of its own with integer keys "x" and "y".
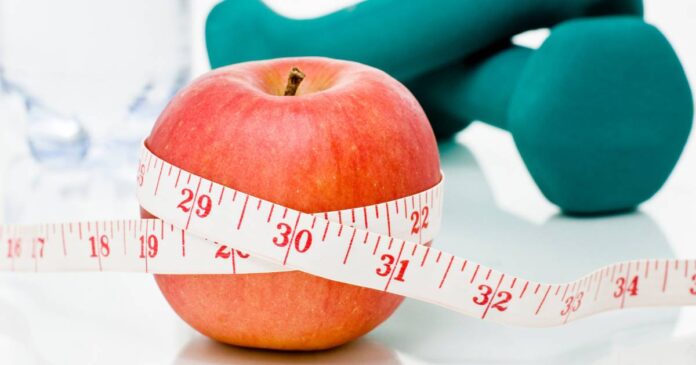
{"x": 92, "y": 76}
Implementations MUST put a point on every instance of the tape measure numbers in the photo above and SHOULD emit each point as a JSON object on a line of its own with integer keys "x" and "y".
{"x": 207, "y": 228}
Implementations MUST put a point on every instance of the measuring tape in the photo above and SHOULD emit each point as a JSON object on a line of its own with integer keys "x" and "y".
{"x": 207, "y": 228}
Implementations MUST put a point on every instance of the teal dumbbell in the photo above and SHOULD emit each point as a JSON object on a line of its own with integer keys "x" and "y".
{"x": 403, "y": 38}
{"x": 600, "y": 112}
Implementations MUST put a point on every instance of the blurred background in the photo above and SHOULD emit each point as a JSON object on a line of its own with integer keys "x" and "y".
{"x": 82, "y": 82}
{"x": 79, "y": 90}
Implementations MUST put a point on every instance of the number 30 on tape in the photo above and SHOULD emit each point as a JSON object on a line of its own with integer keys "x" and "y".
{"x": 207, "y": 228}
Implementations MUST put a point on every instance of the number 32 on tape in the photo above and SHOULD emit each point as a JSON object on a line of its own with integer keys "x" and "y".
{"x": 207, "y": 228}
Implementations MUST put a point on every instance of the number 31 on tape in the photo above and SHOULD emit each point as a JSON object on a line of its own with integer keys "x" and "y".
{"x": 207, "y": 228}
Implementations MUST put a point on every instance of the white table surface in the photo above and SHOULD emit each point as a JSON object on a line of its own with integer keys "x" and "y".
{"x": 493, "y": 214}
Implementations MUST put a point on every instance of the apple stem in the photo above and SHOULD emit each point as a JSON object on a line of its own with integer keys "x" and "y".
{"x": 294, "y": 79}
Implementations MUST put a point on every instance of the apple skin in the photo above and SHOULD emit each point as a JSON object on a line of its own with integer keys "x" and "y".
{"x": 352, "y": 136}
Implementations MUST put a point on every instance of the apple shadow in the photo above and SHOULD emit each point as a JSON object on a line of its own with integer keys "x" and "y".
{"x": 560, "y": 249}
{"x": 203, "y": 351}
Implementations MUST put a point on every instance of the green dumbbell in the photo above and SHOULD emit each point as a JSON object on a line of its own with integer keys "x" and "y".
{"x": 600, "y": 112}
{"x": 402, "y": 38}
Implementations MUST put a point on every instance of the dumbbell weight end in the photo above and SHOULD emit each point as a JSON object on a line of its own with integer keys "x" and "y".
{"x": 600, "y": 113}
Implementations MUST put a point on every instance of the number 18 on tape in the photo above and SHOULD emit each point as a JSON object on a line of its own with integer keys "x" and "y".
{"x": 206, "y": 228}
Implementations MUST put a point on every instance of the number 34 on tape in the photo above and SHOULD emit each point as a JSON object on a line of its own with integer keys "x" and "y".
{"x": 206, "y": 228}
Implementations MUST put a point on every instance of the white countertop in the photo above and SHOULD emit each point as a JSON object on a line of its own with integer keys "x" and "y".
{"x": 493, "y": 214}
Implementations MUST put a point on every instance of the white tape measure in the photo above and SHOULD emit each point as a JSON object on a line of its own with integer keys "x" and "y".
{"x": 207, "y": 228}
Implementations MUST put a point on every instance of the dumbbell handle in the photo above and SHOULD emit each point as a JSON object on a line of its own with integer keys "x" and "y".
{"x": 474, "y": 90}
{"x": 403, "y": 38}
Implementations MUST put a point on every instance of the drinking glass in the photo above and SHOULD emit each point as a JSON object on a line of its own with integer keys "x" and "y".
{"x": 92, "y": 75}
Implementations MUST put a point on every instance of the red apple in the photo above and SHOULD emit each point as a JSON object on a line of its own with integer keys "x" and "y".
{"x": 351, "y": 136}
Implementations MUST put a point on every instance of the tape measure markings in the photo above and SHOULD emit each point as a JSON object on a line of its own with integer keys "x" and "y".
{"x": 386, "y": 257}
